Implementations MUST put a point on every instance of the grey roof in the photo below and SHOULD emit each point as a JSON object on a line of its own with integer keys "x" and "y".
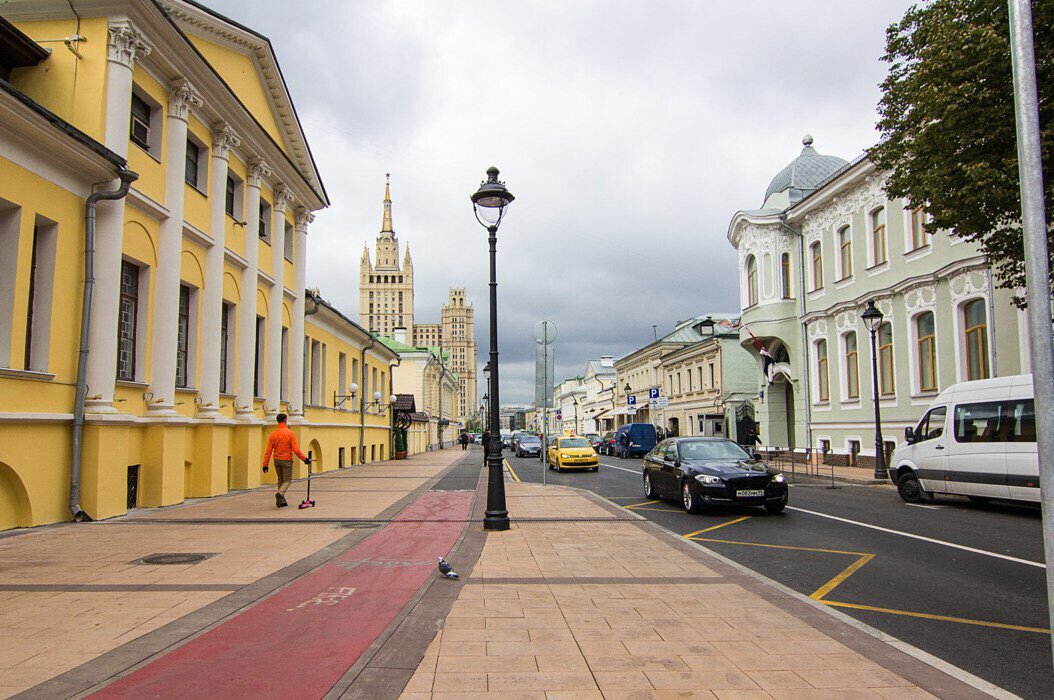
{"x": 599, "y": 369}
{"x": 805, "y": 173}
{"x": 688, "y": 331}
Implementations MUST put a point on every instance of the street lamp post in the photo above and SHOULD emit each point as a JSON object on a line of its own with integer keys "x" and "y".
{"x": 574, "y": 400}
{"x": 489, "y": 203}
{"x": 873, "y": 320}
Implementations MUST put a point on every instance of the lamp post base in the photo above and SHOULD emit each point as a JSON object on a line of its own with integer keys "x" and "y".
{"x": 496, "y": 520}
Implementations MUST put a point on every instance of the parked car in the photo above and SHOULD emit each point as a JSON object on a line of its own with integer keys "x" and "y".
{"x": 642, "y": 439}
{"x": 702, "y": 472}
{"x": 529, "y": 446}
{"x": 594, "y": 440}
{"x": 607, "y": 443}
{"x": 572, "y": 453}
{"x": 506, "y": 439}
{"x": 978, "y": 439}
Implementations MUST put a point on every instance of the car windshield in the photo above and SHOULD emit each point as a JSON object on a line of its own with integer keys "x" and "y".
{"x": 712, "y": 449}
{"x": 530, "y": 440}
{"x": 575, "y": 442}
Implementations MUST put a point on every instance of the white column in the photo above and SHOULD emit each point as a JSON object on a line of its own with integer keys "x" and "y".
{"x": 165, "y": 305}
{"x": 125, "y": 44}
{"x": 283, "y": 197}
{"x": 247, "y": 306}
{"x": 296, "y": 330}
{"x": 223, "y": 139}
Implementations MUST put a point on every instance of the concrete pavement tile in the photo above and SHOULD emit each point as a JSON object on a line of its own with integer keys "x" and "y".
{"x": 622, "y": 634}
{"x": 574, "y": 695}
{"x": 622, "y": 681}
{"x": 852, "y": 678}
{"x": 637, "y": 663}
{"x": 849, "y": 661}
{"x": 709, "y": 663}
{"x": 824, "y": 694}
{"x": 525, "y": 623}
{"x": 903, "y": 693}
{"x": 670, "y": 648}
{"x": 729, "y": 694}
{"x": 459, "y": 682}
{"x": 420, "y": 682}
{"x": 513, "y": 682}
{"x": 460, "y": 624}
{"x": 485, "y": 664}
{"x": 451, "y": 647}
{"x": 781, "y": 662}
{"x": 827, "y": 646}
{"x": 486, "y": 635}
{"x": 568, "y": 648}
{"x": 698, "y": 680}
{"x": 602, "y": 648}
{"x": 551, "y": 634}
{"x": 558, "y": 663}
{"x": 778, "y": 679}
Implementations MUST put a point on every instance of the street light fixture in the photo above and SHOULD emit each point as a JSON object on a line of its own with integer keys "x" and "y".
{"x": 574, "y": 400}
{"x": 489, "y": 204}
{"x": 872, "y": 318}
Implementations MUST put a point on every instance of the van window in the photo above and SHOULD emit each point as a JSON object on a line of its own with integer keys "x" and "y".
{"x": 1019, "y": 419}
{"x": 978, "y": 422}
{"x": 932, "y": 425}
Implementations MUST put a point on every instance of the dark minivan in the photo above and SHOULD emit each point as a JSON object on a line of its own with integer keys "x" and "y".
{"x": 642, "y": 439}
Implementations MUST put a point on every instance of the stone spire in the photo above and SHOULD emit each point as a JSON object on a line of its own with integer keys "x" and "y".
{"x": 386, "y": 222}
{"x": 408, "y": 263}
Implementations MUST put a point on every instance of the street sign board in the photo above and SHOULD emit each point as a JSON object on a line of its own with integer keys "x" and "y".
{"x": 661, "y": 402}
{"x": 631, "y": 400}
{"x": 631, "y": 411}
{"x": 559, "y": 414}
{"x": 653, "y": 393}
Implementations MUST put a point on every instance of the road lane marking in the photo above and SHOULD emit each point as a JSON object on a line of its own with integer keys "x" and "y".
{"x": 927, "y": 616}
{"x": 826, "y": 588}
{"x": 920, "y": 505}
{"x": 715, "y": 527}
{"x": 638, "y": 505}
{"x": 511, "y": 470}
{"x": 612, "y": 466}
{"x": 920, "y": 537}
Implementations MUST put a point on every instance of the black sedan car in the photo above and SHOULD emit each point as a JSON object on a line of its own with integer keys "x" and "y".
{"x": 704, "y": 472}
{"x": 529, "y": 446}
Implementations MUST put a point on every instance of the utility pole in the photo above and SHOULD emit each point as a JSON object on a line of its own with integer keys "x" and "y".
{"x": 1037, "y": 265}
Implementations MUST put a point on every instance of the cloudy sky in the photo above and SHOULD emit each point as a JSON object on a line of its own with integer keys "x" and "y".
{"x": 630, "y": 133}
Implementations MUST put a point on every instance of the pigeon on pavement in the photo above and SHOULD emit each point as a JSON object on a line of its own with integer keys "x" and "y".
{"x": 446, "y": 569}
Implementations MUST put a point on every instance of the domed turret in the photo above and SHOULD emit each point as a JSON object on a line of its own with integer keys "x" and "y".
{"x": 803, "y": 175}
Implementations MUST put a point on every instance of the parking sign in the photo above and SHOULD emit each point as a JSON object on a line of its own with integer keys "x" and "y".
{"x": 631, "y": 400}
{"x": 653, "y": 393}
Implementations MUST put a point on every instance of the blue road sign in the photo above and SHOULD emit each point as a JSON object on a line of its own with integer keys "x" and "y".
{"x": 653, "y": 393}
{"x": 631, "y": 400}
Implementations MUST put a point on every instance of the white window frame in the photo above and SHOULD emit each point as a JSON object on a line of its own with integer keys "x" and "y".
{"x": 43, "y": 293}
{"x": 10, "y": 223}
{"x": 201, "y": 186}
{"x": 913, "y": 353}
{"x": 156, "y": 125}
{"x": 874, "y": 265}
{"x": 844, "y": 226}
{"x": 815, "y": 370}
{"x": 959, "y": 323}
{"x": 843, "y": 375}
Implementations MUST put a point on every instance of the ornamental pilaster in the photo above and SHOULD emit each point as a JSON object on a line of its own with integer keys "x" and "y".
{"x": 257, "y": 173}
{"x": 125, "y": 44}
{"x": 224, "y": 139}
{"x": 183, "y": 97}
{"x": 283, "y": 197}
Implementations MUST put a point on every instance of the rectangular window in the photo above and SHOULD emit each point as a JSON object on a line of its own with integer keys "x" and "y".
{"x": 845, "y": 245}
{"x": 228, "y": 201}
{"x": 284, "y": 386}
{"x": 878, "y": 235}
{"x": 258, "y": 374}
{"x": 975, "y": 320}
{"x": 265, "y": 222}
{"x": 885, "y": 359}
{"x": 139, "y": 131}
{"x": 225, "y": 338}
{"x": 342, "y": 373}
{"x": 355, "y": 378}
{"x": 190, "y": 169}
{"x": 183, "y": 336}
{"x": 927, "y": 349}
{"x": 852, "y": 370}
{"x": 316, "y": 369}
{"x": 374, "y": 386}
{"x": 785, "y": 274}
{"x": 10, "y": 223}
{"x": 817, "y": 266}
{"x": 822, "y": 383}
{"x": 41, "y": 286}
{"x": 918, "y": 229}
{"x": 710, "y": 370}
{"x": 978, "y": 422}
{"x": 128, "y": 316}
{"x": 287, "y": 242}
{"x": 1019, "y": 421}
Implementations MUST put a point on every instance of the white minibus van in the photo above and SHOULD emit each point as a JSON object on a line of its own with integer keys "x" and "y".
{"x": 978, "y": 439}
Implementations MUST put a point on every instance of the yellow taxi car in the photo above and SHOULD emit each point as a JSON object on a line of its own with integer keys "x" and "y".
{"x": 572, "y": 453}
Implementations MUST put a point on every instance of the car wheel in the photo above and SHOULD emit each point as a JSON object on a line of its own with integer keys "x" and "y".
{"x": 980, "y": 500}
{"x": 688, "y": 499}
{"x": 910, "y": 489}
{"x": 776, "y": 507}
{"x": 649, "y": 489}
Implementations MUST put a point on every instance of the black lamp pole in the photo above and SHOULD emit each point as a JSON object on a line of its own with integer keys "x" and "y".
{"x": 873, "y": 320}
{"x": 489, "y": 203}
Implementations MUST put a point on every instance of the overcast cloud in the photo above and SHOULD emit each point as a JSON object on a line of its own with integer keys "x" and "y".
{"x": 630, "y": 133}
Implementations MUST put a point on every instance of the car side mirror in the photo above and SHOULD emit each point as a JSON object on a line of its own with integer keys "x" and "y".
{"x": 909, "y": 434}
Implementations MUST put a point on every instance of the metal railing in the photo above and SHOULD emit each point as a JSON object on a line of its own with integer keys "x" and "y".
{"x": 792, "y": 461}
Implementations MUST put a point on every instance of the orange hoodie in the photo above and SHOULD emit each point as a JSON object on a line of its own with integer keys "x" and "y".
{"x": 283, "y": 444}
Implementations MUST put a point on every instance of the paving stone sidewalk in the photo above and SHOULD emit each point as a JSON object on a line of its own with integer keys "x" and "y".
{"x": 601, "y": 604}
{"x": 74, "y": 602}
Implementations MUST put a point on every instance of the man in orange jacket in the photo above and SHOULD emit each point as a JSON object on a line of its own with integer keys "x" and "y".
{"x": 283, "y": 444}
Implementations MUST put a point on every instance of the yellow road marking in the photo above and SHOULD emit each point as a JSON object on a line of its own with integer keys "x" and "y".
{"x": 715, "y": 527}
{"x": 511, "y": 470}
{"x": 927, "y": 616}
{"x": 638, "y": 505}
{"x": 779, "y": 546}
{"x": 826, "y": 588}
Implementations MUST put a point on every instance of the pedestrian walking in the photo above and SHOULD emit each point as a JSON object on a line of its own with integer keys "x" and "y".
{"x": 463, "y": 439}
{"x": 282, "y": 443}
{"x": 624, "y": 444}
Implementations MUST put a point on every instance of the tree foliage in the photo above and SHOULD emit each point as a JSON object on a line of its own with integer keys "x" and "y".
{"x": 948, "y": 133}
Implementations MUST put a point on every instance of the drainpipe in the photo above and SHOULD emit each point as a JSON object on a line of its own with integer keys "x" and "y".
{"x": 362, "y": 399}
{"x": 127, "y": 177}
{"x": 991, "y": 325}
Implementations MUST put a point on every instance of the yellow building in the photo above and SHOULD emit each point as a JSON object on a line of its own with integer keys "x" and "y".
{"x": 191, "y": 344}
{"x": 425, "y": 373}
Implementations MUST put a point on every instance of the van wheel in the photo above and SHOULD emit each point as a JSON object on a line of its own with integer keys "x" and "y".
{"x": 980, "y": 500}
{"x": 910, "y": 489}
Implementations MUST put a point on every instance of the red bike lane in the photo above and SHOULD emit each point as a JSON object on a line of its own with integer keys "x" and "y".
{"x": 301, "y": 640}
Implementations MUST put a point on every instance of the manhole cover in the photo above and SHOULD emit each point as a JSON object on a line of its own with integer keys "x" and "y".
{"x": 168, "y": 558}
{"x": 355, "y": 526}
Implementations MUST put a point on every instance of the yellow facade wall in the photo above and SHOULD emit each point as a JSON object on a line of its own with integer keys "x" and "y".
{"x": 150, "y": 166}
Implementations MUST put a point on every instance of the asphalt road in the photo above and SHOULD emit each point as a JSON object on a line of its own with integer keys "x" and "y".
{"x": 961, "y": 581}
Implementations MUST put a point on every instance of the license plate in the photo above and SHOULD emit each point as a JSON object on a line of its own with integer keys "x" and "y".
{"x": 753, "y": 493}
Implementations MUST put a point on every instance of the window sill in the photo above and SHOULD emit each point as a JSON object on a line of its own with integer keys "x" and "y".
{"x": 132, "y": 384}
{"x": 26, "y": 374}
{"x": 918, "y": 253}
{"x": 266, "y": 240}
{"x": 878, "y": 269}
{"x": 925, "y": 394}
{"x": 145, "y": 149}
{"x": 844, "y": 282}
{"x": 822, "y": 402}
{"x": 186, "y": 390}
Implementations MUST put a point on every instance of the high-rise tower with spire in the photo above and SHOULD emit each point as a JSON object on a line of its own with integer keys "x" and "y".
{"x": 386, "y": 290}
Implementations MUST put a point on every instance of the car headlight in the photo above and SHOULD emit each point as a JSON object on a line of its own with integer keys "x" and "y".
{"x": 564, "y": 455}
{"x": 778, "y": 479}
{"x": 707, "y": 479}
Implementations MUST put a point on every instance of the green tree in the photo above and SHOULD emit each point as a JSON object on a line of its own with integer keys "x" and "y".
{"x": 948, "y": 135}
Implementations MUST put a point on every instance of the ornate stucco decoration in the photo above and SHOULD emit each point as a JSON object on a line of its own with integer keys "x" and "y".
{"x": 183, "y": 97}
{"x": 845, "y": 321}
{"x": 258, "y": 171}
{"x": 283, "y": 197}
{"x": 864, "y": 196}
{"x": 126, "y": 44}
{"x": 223, "y": 140}
{"x": 758, "y": 240}
{"x": 968, "y": 283}
{"x": 304, "y": 217}
{"x": 920, "y": 298}
{"x": 818, "y": 329}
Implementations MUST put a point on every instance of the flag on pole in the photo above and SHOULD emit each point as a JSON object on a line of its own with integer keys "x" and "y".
{"x": 767, "y": 359}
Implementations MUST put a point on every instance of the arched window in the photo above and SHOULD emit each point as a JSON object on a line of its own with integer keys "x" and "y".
{"x": 878, "y": 235}
{"x": 927, "y": 348}
{"x": 822, "y": 383}
{"x": 976, "y": 323}
{"x": 817, "y": 265}
{"x": 918, "y": 229}
{"x": 752, "y": 281}
{"x": 852, "y": 371}
{"x": 845, "y": 248}
{"x": 785, "y": 274}
{"x": 887, "y": 386}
